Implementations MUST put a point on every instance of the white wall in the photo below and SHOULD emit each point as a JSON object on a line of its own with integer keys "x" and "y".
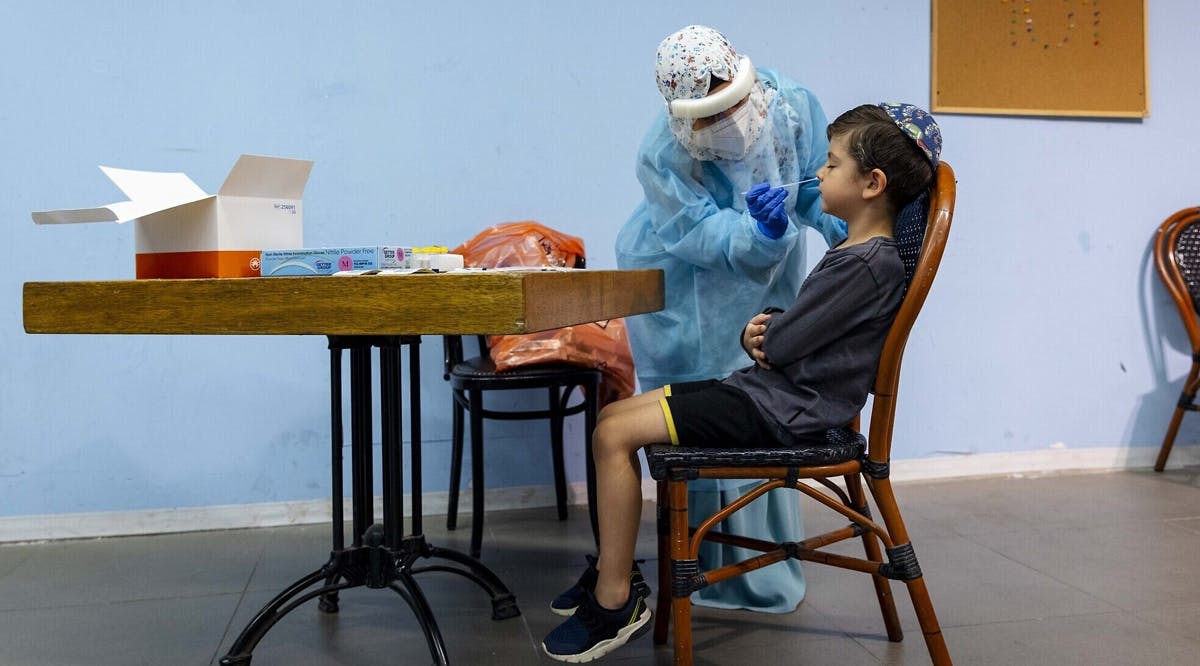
{"x": 1047, "y": 327}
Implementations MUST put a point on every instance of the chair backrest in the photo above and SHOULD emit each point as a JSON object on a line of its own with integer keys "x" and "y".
{"x": 887, "y": 378}
{"x": 1177, "y": 258}
{"x": 454, "y": 353}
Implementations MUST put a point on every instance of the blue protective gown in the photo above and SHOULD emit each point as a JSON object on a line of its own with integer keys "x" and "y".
{"x": 720, "y": 271}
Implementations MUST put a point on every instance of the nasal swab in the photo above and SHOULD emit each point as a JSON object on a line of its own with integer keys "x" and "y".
{"x": 799, "y": 182}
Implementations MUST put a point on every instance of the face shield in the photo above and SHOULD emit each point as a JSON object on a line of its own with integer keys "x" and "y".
{"x": 687, "y": 63}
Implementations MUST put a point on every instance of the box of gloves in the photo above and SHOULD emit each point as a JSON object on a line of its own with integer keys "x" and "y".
{"x": 331, "y": 260}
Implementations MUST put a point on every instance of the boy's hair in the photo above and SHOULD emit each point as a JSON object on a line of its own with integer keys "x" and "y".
{"x": 876, "y": 142}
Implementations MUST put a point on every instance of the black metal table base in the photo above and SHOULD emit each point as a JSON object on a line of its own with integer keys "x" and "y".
{"x": 379, "y": 555}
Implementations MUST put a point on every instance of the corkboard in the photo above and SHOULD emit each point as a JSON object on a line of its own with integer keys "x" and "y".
{"x": 1040, "y": 57}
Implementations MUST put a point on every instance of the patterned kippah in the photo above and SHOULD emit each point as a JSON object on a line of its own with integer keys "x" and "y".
{"x": 919, "y": 126}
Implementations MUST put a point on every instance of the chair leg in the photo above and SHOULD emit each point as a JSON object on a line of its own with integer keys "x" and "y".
{"x": 662, "y": 615}
{"x": 456, "y": 456}
{"x": 1169, "y": 440}
{"x": 885, "y": 499}
{"x": 556, "y": 449}
{"x": 476, "y": 473}
{"x": 1186, "y": 397}
{"x": 681, "y": 606}
{"x": 934, "y": 641}
{"x": 590, "y": 414}
{"x": 883, "y": 589}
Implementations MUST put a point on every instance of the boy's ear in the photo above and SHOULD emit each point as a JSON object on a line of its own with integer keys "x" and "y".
{"x": 876, "y": 183}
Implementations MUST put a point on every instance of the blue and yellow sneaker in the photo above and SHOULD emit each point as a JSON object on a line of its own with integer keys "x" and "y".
{"x": 594, "y": 631}
{"x": 566, "y": 603}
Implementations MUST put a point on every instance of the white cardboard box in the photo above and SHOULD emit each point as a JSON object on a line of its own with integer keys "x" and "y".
{"x": 181, "y": 232}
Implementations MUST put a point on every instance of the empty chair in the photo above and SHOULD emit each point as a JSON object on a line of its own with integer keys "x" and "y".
{"x": 470, "y": 378}
{"x": 1177, "y": 258}
{"x": 526, "y": 243}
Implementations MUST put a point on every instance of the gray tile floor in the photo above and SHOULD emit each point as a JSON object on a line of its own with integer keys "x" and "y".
{"x": 1066, "y": 569}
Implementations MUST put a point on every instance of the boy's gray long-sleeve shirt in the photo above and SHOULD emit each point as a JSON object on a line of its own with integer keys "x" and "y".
{"x": 824, "y": 349}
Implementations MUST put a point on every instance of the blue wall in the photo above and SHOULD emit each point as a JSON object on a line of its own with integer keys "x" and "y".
{"x": 428, "y": 122}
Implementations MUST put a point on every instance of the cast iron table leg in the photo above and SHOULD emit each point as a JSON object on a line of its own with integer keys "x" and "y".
{"x": 380, "y": 556}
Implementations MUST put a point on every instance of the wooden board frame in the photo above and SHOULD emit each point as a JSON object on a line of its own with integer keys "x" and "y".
{"x": 1083, "y": 58}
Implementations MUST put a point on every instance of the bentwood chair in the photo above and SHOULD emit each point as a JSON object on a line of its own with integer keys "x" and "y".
{"x": 514, "y": 244}
{"x": 1177, "y": 258}
{"x": 470, "y": 378}
{"x": 845, "y": 453}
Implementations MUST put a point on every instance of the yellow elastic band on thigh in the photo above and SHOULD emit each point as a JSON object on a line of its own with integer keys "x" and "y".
{"x": 670, "y": 420}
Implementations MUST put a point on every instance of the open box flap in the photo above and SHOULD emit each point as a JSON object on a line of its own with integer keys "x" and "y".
{"x": 149, "y": 192}
{"x": 267, "y": 177}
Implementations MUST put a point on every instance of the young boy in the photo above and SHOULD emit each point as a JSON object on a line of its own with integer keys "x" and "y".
{"x": 814, "y": 363}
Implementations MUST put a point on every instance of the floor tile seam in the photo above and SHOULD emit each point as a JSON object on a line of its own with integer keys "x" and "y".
{"x": 857, "y": 639}
{"x": 119, "y": 602}
{"x": 1191, "y": 530}
{"x": 976, "y": 540}
{"x": 1181, "y": 520}
{"x": 952, "y": 532}
{"x": 1047, "y": 574}
{"x": 22, "y": 556}
{"x": 1113, "y": 610}
{"x": 1164, "y": 628}
{"x": 830, "y": 625}
{"x": 1151, "y": 518}
{"x": 1156, "y": 606}
{"x": 241, "y": 600}
{"x": 1038, "y": 619}
{"x": 1079, "y": 528}
{"x": 535, "y": 643}
{"x": 1179, "y": 605}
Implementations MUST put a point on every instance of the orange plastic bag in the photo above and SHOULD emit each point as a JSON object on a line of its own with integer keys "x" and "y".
{"x": 603, "y": 345}
{"x": 521, "y": 244}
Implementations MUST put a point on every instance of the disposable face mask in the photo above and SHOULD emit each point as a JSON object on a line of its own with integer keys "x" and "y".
{"x": 728, "y": 138}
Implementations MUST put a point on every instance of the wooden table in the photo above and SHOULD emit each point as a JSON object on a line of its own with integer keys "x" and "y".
{"x": 356, "y": 313}
{"x": 498, "y": 301}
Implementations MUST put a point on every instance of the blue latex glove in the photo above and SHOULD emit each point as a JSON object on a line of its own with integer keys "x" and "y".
{"x": 767, "y": 205}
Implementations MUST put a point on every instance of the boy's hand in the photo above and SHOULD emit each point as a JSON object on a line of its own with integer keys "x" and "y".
{"x": 752, "y": 340}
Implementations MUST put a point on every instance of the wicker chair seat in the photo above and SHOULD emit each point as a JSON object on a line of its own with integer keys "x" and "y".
{"x": 841, "y": 445}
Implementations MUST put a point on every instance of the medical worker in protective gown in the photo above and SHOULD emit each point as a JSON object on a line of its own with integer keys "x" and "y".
{"x": 726, "y": 127}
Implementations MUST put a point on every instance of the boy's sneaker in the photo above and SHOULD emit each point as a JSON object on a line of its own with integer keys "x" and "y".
{"x": 594, "y": 631}
{"x": 566, "y": 603}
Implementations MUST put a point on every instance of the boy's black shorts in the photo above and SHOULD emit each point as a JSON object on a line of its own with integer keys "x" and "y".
{"x": 710, "y": 414}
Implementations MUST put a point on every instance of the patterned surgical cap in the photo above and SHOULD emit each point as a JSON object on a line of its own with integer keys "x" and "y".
{"x": 687, "y": 58}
